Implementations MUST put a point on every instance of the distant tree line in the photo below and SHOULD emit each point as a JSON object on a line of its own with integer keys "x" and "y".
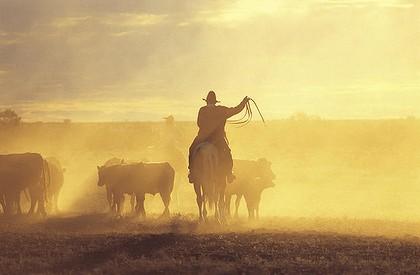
{"x": 9, "y": 117}
{"x": 303, "y": 116}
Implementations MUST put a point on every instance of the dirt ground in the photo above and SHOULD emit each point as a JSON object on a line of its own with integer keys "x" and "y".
{"x": 104, "y": 245}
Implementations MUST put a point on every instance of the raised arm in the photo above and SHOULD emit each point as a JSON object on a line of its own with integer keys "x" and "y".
{"x": 236, "y": 110}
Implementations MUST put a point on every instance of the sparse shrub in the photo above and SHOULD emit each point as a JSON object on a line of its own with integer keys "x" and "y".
{"x": 9, "y": 117}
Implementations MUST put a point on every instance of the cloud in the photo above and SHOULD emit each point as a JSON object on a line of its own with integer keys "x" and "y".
{"x": 70, "y": 21}
{"x": 122, "y": 51}
{"x": 133, "y": 20}
{"x": 403, "y": 4}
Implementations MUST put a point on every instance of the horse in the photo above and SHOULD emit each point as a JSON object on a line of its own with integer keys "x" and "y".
{"x": 210, "y": 182}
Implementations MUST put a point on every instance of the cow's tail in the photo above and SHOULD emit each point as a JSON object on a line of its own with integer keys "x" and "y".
{"x": 26, "y": 194}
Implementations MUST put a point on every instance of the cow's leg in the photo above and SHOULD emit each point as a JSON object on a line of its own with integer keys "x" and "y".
{"x": 251, "y": 211}
{"x": 199, "y": 200}
{"x": 166, "y": 198}
{"x": 237, "y": 202}
{"x": 41, "y": 203}
{"x": 216, "y": 209}
{"x": 109, "y": 197}
{"x": 55, "y": 203}
{"x": 119, "y": 201}
{"x": 140, "y": 205}
{"x": 17, "y": 201}
{"x": 33, "y": 196}
{"x": 133, "y": 203}
{"x": 3, "y": 203}
{"x": 56, "y": 196}
{"x": 257, "y": 211}
{"x": 113, "y": 204}
{"x": 9, "y": 203}
{"x": 257, "y": 208}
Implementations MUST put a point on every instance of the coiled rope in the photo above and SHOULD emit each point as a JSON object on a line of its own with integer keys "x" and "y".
{"x": 247, "y": 117}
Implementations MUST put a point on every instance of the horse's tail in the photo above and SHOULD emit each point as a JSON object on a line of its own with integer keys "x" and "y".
{"x": 212, "y": 168}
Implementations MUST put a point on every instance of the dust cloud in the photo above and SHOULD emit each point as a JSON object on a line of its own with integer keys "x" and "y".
{"x": 355, "y": 169}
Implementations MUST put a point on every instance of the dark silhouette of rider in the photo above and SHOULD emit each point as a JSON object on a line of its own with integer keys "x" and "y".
{"x": 211, "y": 122}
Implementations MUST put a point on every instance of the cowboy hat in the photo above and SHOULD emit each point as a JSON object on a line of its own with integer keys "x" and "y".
{"x": 211, "y": 98}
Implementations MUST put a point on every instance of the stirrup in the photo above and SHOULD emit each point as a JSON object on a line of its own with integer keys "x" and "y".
{"x": 230, "y": 178}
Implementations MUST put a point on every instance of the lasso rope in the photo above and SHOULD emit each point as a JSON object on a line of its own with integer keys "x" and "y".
{"x": 247, "y": 117}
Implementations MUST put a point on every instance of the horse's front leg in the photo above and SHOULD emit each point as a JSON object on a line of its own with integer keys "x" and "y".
{"x": 227, "y": 205}
{"x": 222, "y": 207}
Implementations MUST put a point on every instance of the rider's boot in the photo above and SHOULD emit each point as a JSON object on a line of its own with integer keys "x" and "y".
{"x": 191, "y": 176}
{"x": 230, "y": 177}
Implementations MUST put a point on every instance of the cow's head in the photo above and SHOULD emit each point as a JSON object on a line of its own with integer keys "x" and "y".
{"x": 101, "y": 175}
{"x": 266, "y": 175}
{"x": 114, "y": 161}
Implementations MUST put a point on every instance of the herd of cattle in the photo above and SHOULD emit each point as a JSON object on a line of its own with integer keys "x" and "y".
{"x": 38, "y": 178}
{"x": 41, "y": 179}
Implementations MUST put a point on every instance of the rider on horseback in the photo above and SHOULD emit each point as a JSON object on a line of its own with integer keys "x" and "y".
{"x": 211, "y": 122}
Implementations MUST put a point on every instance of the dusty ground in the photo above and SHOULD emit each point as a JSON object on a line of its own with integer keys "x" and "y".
{"x": 101, "y": 244}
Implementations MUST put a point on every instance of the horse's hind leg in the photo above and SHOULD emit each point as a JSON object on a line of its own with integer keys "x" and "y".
{"x": 204, "y": 209}
{"x": 217, "y": 210}
{"x": 199, "y": 199}
{"x": 222, "y": 207}
{"x": 204, "y": 198}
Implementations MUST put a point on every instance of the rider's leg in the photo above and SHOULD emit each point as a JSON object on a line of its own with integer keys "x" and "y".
{"x": 190, "y": 159}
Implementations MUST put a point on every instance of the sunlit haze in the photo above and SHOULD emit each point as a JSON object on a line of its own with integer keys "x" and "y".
{"x": 139, "y": 60}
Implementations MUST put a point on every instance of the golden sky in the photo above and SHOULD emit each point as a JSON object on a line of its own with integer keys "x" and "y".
{"x": 94, "y": 60}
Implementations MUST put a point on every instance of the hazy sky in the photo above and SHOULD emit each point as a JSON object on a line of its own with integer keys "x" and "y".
{"x": 93, "y": 60}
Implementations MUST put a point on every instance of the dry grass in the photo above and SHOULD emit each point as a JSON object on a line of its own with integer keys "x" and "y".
{"x": 103, "y": 245}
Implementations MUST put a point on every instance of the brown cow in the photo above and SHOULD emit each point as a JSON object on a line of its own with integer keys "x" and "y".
{"x": 56, "y": 179}
{"x": 19, "y": 172}
{"x": 138, "y": 178}
{"x": 252, "y": 177}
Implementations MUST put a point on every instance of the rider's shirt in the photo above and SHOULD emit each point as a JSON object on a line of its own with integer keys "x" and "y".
{"x": 212, "y": 120}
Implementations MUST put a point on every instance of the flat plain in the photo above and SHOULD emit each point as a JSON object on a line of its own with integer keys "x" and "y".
{"x": 100, "y": 244}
